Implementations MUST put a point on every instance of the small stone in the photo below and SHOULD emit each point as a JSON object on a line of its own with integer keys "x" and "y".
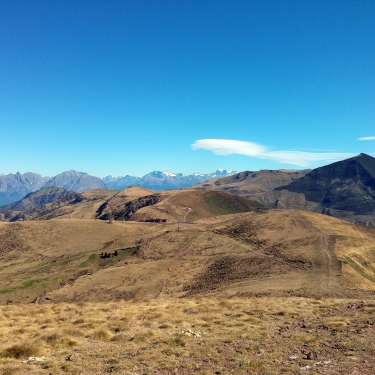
{"x": 69, "y": 357}
{"x": 311, "y": 355}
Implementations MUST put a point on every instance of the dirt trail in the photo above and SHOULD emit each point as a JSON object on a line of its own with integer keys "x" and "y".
{"x": 330, "y": 265}
{"x": 160, "y": 287}
{"x": 187, "y": 213}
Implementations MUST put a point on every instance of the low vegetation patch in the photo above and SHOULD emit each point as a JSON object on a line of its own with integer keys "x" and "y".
{"x": 22, "y": 350}
{"x": 360, "y": 268}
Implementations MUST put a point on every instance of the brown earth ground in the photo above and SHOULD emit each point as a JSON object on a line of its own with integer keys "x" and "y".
{"x": 260, "y": 287}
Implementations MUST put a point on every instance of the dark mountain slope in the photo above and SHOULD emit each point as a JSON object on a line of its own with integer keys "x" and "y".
{"x": 38, "y": 203}
{"x": 345, "y": 185}
{"x": 253, "y": 185}
{"x": 43, "y": 196}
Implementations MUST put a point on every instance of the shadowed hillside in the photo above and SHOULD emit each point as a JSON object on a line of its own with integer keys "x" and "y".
{"x": 345, "y": 188}
{"x": 253, "y": 185}
{"x": 37, "y": 204}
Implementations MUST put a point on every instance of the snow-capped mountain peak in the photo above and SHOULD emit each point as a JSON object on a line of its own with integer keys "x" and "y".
{"x": 158, "y": 180}
{"x": 169, "y": 174}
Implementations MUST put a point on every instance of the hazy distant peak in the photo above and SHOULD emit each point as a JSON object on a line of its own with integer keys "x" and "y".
{"x": 76, "y": 181}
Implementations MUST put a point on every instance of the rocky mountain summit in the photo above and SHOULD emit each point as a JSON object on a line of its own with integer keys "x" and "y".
{"x": 15, "y": 186}
{"x": 76, "y": 181}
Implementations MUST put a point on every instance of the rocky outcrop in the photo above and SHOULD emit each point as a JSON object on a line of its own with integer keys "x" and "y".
{"x": 108, "y": 212}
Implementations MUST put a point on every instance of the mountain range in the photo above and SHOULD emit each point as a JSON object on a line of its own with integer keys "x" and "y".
{"x": 345, "y": 189}
{"x": 14, "y": 187}
{"x": 165, "y": 180}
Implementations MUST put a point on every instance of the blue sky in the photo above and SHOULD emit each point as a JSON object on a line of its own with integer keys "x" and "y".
{"x": 127, "y": 87}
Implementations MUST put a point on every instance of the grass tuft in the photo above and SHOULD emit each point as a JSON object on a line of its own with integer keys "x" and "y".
{"x": 23, "y": 350}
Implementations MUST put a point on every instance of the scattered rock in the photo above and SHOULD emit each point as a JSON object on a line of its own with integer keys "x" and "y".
{"x": 311, "y": 355}
{"x": 37, "y": 359}
{"x": 322, "y": 363}
{"x": 69, "y": 357}
{"x": 191, "y": 333}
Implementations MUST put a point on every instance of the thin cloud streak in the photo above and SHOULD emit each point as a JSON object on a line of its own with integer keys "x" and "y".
{"x": 370, "y": 138}
{"x": 300, "y": 158}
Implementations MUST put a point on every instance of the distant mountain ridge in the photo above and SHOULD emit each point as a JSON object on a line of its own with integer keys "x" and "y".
{"x": 13, "y": 187}
{"x": 165, "y": 180}
{"x": 76, "y": 181}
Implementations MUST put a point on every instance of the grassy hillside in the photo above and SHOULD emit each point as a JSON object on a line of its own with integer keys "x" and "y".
{"x": 211, "y": 203}
{"x": 277, "y": 253}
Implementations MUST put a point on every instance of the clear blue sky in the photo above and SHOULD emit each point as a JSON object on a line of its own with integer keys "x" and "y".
{"x": 127, "y": 87}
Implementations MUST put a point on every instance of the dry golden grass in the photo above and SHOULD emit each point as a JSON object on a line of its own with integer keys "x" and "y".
{"x": 276, "y": 253}
{"x": 186, "y": 336}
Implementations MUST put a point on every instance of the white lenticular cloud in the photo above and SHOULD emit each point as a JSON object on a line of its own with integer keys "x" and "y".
{"x": 300, "y": 158}
{"x": 227, "y": 147}
{"x": 370, "y": 138}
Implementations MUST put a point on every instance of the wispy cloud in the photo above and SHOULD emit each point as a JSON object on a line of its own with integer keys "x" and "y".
{"x": 370, "y": 138}
{"x": 300, "y": 158}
